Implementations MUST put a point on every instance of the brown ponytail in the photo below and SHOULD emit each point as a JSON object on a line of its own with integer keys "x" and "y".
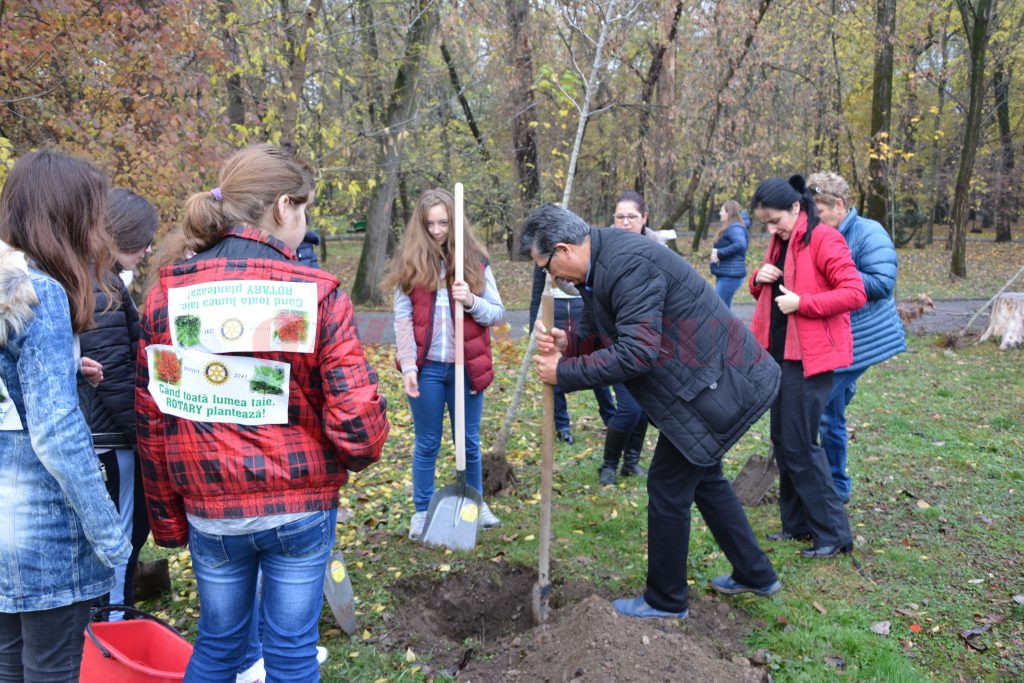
{"x": 249, "y": 183}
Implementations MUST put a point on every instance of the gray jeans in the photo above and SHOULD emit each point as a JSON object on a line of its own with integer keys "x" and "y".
{"x": 43, "y": 646}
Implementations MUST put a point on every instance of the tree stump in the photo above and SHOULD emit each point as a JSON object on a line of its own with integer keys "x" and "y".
{"x": 1007, "y": 320}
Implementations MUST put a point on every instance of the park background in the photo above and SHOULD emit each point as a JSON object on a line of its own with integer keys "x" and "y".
{"x": 918, "y": 103}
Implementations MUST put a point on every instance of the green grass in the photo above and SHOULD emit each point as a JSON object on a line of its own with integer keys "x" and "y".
{"x": 922, "y": 271}
{"x": 937, "y": 456}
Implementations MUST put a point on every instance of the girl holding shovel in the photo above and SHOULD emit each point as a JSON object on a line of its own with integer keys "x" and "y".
{"x": 426, "y": 293}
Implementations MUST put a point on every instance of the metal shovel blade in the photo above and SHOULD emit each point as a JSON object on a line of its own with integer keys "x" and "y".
{"x": 338, "y": 591}
{"x": 453, "y": 516}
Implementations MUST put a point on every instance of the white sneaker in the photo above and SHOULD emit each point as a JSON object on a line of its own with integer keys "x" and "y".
{"x": 321, "y": 654}
{"x": 416, "y": 524}
{"x": 254, "y": 674}
{"x": 488, "y": 520}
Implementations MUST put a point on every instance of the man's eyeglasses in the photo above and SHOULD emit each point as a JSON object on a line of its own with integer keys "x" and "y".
{"x": 547, "y": 264}
{"x": 626, "y": 217}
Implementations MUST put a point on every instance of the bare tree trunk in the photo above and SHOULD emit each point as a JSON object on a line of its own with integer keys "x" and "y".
{"x": 977, "y": 18}
{"x": 236, "y": 101}
{"x": 588, "y": 95}
{"x": 666, "y": 111}
{"x": 937, "y": 126}
{"x": 299, "y": 39}
{"x": 879, "y": 192}
{"x": 496, "y": 184}
{"x": 366, "y": 288}
{"x": 1006, "y": 189}
{"x": 702, "y": 219}
{"x": 660, "y": 74}
{"x": 523, "y": 140}
{"x": 686, "y": 201}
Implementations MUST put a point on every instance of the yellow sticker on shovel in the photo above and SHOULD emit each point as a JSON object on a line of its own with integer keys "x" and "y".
{"x": 337, "y": 571}
{"x": 469, "y": 512}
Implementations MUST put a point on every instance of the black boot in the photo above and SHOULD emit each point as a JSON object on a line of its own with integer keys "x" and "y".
{"x": 634, "y": 446}
{"x": 614, "y": 443}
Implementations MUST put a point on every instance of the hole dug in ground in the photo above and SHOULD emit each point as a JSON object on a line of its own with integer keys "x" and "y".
{"x": 477, "y": 624}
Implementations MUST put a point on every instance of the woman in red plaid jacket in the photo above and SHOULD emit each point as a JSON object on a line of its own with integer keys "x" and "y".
{"x": 254, "y": 401}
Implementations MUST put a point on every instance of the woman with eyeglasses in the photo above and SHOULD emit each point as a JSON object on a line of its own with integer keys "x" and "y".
{"x": 627, "y": 428}
{"x": 729, "y": 254}
{"x": 805, "y": 291}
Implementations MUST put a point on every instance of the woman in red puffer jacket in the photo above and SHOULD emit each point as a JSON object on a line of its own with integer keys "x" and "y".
{"x": 805, "y": 291}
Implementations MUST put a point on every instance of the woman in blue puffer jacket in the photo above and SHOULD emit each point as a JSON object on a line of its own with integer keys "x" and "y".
{"x": 877, "y": 329}
{"x": 729, "y": 255}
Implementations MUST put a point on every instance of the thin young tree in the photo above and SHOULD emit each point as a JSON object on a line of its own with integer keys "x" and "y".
{"x": 977, "y": 19}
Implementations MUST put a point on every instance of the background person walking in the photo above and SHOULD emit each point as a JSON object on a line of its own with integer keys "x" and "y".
{"x": 729, "y": 254}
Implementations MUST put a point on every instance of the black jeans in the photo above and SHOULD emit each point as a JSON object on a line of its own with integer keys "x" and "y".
{"x": 673, "y": 484}
{"x": 808, "y": 503}
{"x": 43, "y": 646}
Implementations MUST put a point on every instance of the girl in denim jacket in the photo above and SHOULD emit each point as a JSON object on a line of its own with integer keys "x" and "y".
{"x": 60, "y": 536}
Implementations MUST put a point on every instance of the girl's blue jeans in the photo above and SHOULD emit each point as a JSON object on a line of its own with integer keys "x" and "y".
{"x": 437, "y": 389}
{"x": 292, "y": 558}
{"x": 725, "y": 287}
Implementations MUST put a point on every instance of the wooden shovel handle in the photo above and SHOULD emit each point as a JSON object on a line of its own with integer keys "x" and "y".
{"x": 460, "y": 350}
{"x": 547, "y": 313}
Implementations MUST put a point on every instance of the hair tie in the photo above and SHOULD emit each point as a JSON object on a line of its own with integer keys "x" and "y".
{"x": 217, "y": 194}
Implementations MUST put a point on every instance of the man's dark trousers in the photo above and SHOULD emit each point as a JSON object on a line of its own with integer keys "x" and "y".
{"x": 673, "y": 484}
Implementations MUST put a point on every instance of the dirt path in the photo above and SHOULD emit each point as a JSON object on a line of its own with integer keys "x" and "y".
{"x": 376, "y": 327}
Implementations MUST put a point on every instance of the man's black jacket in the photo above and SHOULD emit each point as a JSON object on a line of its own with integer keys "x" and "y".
{"x": 653, "y": 323}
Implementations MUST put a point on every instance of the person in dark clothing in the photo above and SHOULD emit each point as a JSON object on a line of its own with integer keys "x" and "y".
{"x": 654, "y": 324}
{"x": 306, "y": 252}
{"x": 131, "y": 222}
{"x": 568, "y": 312}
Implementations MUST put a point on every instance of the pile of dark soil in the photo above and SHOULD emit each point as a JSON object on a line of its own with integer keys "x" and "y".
{"x": 477, "y": 625}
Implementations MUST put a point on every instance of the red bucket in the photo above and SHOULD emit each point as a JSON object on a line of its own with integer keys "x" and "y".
{"x": 145, "y": 650}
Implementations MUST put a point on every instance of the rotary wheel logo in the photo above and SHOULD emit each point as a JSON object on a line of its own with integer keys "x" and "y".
{"x": 231, "y": 329}
{"x": 216, "y": 372}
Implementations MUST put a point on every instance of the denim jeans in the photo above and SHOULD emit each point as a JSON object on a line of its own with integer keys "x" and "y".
{"x": 833, "y": 428}
{"x": 292, "y": 558}
{"x": 568, "y": 314}
{"x": 44, "y": 646}
{"x": 725, "y": 287}
{"x": 437, "y": 389}
{"x": 628, "y": 413}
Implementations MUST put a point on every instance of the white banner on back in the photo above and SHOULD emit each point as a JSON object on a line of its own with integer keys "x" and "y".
{"x": 207, "y": 388}
{"x": 228, "y": 316}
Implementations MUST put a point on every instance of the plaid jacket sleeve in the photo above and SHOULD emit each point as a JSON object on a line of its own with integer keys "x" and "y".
{"x": 354, "y": 414}
{"x": 165, "y": 506}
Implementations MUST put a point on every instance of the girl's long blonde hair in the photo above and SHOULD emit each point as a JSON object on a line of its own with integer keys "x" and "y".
{"x": 732, "y": 208}
{"x": 416, "y": 264}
